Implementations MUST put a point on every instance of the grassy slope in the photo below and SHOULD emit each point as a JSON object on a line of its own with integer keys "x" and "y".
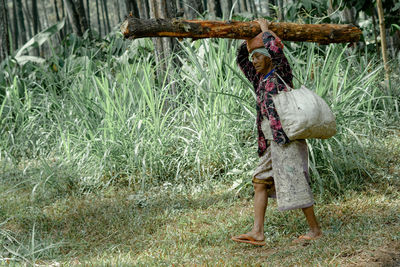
{"x": 173, "y": 225}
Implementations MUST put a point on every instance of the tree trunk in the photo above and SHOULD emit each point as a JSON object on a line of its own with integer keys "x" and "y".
{"x": 248, "y": 6}
{"x": 132, "y": 7}
{"x": 243, "y": 6}
{"x": 226, "y": 8}
{"x": 350, "y": 15}
{"x": 236, "y": 6}
{"x": 28, "y": 19}
{"x": 35, "y": 17}
{"x": 330, "y": 7}
{"x": 88, "y": 13}
{"x": 104, "y": 17}
{"x": 197, "y": 29}
{"x": 76, "y": 12}
{"x": 46, "y": 15}
{"x": 281, "y": 15}
{"x": 218, "y": 7}
{"x": 56, "y": 10}
{"x": 158, "y": 43}
{"x": 21, "y": 21}
{"x": 160, "y": 10}
{"x": 178, "y": 5}
{"x": 254, "y": 8}
{"x": 42, "y": 49}
{"x": 4, "y": 41}
{"x": 383, "y": 39}
{"x": 15, "y": 22}
{"x": 98, "y": 16}
{"x": 147, "y": 6}
{"x": 397, "y": 41}
{"x": 142, "y": 9}
{"x": 68, "y": 27}
{"x": 375, "y": 33}
{"x": 267, "y": 8}
{"x": 192, "y": 8}
{"x": 212, "y": 9}
{"x": 61, "y": 33}
{"x": 117, "y": 7}
{"x": 82, "y": 15}
{"x": 107, "y": 18}
{"x": 391, "y": 40}
{"x": 73, "y": 17}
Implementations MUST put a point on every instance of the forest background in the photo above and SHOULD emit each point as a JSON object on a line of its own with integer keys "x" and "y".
{"x": 141, "y": 151}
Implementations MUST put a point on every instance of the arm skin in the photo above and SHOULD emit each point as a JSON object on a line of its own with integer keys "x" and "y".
{"x": 246, "y": 66}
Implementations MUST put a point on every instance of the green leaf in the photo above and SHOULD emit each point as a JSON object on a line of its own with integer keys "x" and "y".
{"x": 24, "y": 59}
{"x": 395, "y": 26}
{"x": 40, "y": 38}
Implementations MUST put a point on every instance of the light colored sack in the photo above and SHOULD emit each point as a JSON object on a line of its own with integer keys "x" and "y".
{"x": 303, "y": 114}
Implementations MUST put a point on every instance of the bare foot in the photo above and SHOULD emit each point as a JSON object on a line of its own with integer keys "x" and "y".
{"x": 312, "y": 235}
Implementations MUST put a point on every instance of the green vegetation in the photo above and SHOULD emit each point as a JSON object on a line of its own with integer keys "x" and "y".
{"x": 100, "y": 163}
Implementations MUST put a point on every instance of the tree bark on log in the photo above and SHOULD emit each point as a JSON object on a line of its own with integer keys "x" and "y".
{"x": 198, "y": 29}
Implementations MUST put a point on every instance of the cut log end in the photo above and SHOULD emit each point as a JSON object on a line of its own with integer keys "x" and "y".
{"x": 124, "y": 28}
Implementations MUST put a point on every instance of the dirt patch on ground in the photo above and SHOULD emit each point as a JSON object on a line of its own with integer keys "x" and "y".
{"x": 388, "y": 256}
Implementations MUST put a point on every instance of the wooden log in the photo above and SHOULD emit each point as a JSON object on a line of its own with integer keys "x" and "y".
{"x": 197, "y": 29}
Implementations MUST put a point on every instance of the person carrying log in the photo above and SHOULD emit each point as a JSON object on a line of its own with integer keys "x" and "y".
{"x": 282, "y": 171}
{"x": 283, "y": 163}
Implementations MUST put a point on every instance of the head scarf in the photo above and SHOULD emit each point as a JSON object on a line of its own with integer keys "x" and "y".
{"x": 261, "y": 50}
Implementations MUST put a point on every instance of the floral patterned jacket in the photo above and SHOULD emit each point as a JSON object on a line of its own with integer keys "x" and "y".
{"x": 266, "y": 88}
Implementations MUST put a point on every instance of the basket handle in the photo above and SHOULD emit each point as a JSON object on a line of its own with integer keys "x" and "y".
{"x": 287, "y": 86}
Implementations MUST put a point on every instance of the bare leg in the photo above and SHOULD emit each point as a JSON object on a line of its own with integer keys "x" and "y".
{"x": 315, "y": 230}
{"x": 260, "y": 204}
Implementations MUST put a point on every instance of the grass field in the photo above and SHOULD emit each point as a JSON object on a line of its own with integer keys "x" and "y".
{"x": 181, "y": 225}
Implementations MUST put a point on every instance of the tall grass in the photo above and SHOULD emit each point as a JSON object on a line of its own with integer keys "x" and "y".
{"x": 93, "y": 120}
{"x": 352, "y": 84}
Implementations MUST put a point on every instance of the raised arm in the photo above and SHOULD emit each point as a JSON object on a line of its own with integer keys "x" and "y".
{"x": 274, "y": 46}
{"x": 244, "y": 63}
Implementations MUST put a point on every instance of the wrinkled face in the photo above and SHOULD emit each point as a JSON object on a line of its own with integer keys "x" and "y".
{"x": 261, "y": 63}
